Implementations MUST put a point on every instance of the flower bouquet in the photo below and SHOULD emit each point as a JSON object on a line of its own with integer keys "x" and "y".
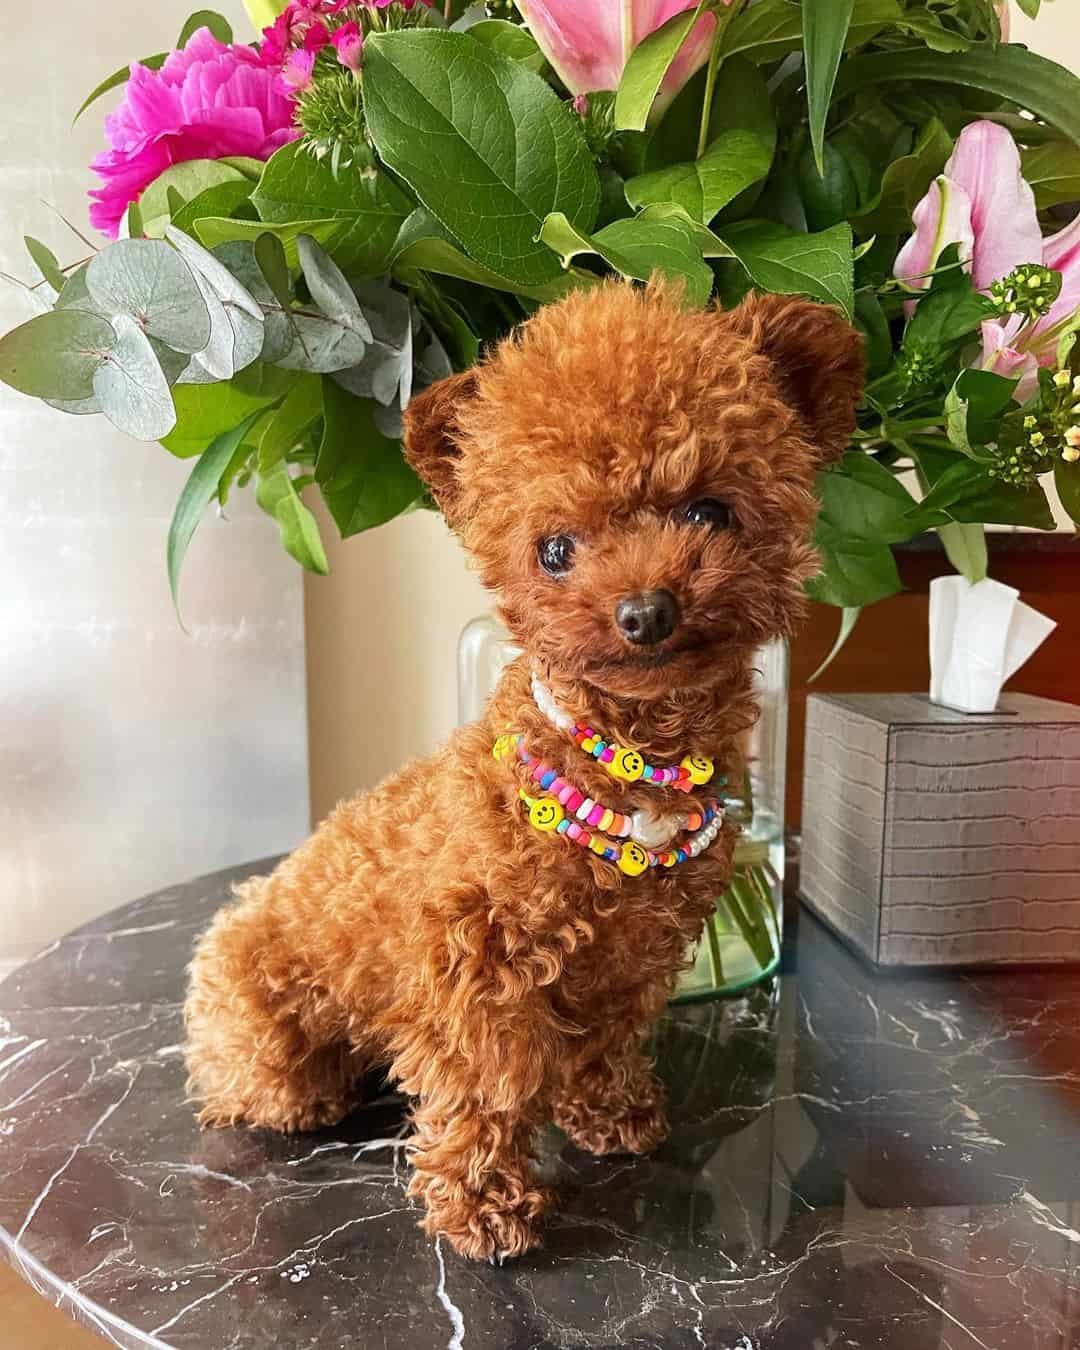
{"x": 301, "y": 231}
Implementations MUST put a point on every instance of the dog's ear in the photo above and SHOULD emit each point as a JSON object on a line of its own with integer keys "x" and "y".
{"x": 430, "y": 429}
{"x": 817, "y": 360}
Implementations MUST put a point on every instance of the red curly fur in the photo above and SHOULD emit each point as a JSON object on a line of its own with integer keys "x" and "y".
{"x": 507, "y": 977}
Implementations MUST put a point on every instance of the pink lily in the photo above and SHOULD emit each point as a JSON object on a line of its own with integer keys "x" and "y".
{"x": 589, "y": 44}
{"x": 982, "y": 203}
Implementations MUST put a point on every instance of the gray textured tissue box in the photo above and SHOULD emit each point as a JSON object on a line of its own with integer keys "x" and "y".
{"x": 939, "y": 838}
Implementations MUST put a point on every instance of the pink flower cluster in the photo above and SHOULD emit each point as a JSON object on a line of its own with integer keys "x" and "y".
{"x": 300, "y": 32}
{"x": 207, "y": 101}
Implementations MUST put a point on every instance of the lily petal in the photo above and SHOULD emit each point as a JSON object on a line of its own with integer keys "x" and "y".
{"x": 586, "y": 44}
{"x": 943, "y": 217}
{"x": 1062, "y": 252}
{"x": 691, "y": 56}
{"x": 986, "y": 164}
{"x": 1004, "y": 359}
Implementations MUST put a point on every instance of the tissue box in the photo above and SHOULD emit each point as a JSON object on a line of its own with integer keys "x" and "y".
{"x": 938, "y": 838}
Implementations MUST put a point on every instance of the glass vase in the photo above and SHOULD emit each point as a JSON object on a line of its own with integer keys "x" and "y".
{"x": 741, "y": 941}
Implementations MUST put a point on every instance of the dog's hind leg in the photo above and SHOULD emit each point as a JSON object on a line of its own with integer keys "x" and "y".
{"x": 266, "y": 1043}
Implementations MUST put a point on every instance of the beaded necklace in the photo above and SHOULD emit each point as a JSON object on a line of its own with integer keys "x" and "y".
{"x": 621, "y": 762}
{"x": 566, "y": 810}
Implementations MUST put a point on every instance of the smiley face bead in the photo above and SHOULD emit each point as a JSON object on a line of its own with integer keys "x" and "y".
{"x": 633, "y": 860}
{"x": 627, "y": 765}
{"x": 546, "y": 815}
{"x": 504, "y": 746}
{"x": 699, "y": 768}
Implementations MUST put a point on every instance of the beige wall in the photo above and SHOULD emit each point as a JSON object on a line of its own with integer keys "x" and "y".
{"x": 382, "y": 628}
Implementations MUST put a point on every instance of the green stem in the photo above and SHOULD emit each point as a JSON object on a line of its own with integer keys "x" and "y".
{"x": 710, "y": 87}
{"x": 716, "y": 961}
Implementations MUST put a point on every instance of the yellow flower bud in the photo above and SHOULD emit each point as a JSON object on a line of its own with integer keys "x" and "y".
{"x": 1037, "y": 438}
{"x": 1063, "y": 378}
{"x": 1030, "y": 423}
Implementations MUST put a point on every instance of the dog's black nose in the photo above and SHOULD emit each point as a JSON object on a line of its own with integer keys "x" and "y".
{"x": 648, "y": 618}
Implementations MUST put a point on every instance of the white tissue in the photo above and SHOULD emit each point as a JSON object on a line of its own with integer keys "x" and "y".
{"x": 980, "y": 636}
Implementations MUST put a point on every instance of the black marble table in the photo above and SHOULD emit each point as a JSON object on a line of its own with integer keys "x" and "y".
{"x": 855, "y": 1161}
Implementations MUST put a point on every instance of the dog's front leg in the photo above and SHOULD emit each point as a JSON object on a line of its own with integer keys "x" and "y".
{"x": 608, "y": 1100}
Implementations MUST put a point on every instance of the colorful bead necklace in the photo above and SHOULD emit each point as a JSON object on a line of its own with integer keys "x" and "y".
{"x": 622, "y": 763}
{"x": 566, "y": 810}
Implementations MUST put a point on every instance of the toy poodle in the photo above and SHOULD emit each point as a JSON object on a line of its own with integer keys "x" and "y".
{"x": 501, "y": 923}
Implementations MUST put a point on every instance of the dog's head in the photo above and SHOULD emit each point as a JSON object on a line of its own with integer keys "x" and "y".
{"x": 636, "y": 480}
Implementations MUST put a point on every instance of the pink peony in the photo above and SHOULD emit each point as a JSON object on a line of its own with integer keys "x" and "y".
{"x": 207, "y": 101}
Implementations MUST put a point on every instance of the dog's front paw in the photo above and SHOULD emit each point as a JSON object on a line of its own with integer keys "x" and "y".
{"x": 488, "y": 1227}
{"x": 600, "y": 1130}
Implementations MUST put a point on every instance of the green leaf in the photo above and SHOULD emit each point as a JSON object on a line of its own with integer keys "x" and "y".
{"x": 45, "y": 262}
{"x": 147, "y": 280}
{"x": 131, "y": 386}
{"x": 648, "y": 64}
{"x": 55, "y": 355}
{"x": 854, "y": 573}
{"x": 1010, "y": 72}
{"x": 871, "y": 322}
{"x": 206, "y": 18}
{"x": 771, "y": 29}
{"x": 423, "y": 244}
{"x": 825, "y": 30}
{"x": 206, "y": 411}
{"x": 848, "y": 619}
{"x": 933, "y": 32}
{"x": 302, "y": 408}
{"x": 1053, "y": 170}
{"x": 906, "y": 181}
{"x": 369, "y": 205}
{"x": 861, "y": 497}
{"x": 509, "y": 39}
{"x": 227, "y": 199}
{"x": 446, "y": 114}
{"x": 790, "y": 263}
{"x": 637, "y": 247}
{"x": 215, "y": 230}
{"x": 199, "y": 491}
{"x": 117, "y": 78}
{"x": 950, "y": 310}
{"x": 189, "y": 179}
{"x": 1067, "y": 481}
{"x": 965, "y": 547}
{"x": 262, "y": 13}
{"x": 277, "y": 495}
{"x": 973, "y": 408}
{"x": 734, "y": 161}
{"x": 966, "y": 493}
{"x": 363, "y": 475}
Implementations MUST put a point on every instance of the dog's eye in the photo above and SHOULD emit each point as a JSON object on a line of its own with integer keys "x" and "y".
{"x": 710, "y": 513}
{"x": 556, "y": 553}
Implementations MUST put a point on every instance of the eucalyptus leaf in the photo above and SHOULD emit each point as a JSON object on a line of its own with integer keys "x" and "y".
{"x": 56, "y": 355}
{"x": 277, "y": 495}
{"x": 445, "y": 111}
{"x": 198, "y": 492}
{"x": 239, "y": 259}
{"x": 648, "y": 64}
{"x": 131, "y": 386}
{"x": 75, "y": 295}
{"x": 825, "y": 30}
{"x": 785, "y": 261}
{"x": 329, "y": 289}
{"x": 237, "y": 335}
{"x": 148, "y": 281}
{"x": 362, "y": 474}
{"x": 366, "y": 203}
{"x": 732, "y": 163}
{"x": 45, "y": 261}
{"x": 385, "y": 372}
